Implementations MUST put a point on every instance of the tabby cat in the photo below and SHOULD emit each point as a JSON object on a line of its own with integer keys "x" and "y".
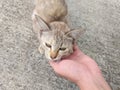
{"x": 49, "y": 23}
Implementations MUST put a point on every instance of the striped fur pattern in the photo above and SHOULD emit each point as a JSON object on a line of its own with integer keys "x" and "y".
{"x": 49, "y": 23}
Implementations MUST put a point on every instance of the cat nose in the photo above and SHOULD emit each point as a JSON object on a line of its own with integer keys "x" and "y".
{"x": 53, "y": 54}
{"x": 53, "y": 57}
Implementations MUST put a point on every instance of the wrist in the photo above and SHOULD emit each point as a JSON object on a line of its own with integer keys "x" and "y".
{"x": 88, "y": 83}
{"x": 93, "y": 83}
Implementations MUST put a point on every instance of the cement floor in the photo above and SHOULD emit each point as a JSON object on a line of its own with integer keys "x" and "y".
{"x": 23, "y": 68}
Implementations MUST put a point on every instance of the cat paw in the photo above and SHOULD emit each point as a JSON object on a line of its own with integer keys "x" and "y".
{"x": 41, "y": 50}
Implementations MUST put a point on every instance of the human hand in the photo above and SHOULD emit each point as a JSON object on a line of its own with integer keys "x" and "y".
{"x": 80, "y": 69}
{"x": 76, "y": 66}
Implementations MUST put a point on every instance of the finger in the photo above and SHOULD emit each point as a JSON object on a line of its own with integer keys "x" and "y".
{"x": 75, "y": 47}
{"x": 77, "y": 51}
{"x": 56, "y": 68}
{"x": 53, "y": 64}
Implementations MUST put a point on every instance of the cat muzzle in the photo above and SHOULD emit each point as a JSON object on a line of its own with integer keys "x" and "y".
{"x": 53, "y": 54}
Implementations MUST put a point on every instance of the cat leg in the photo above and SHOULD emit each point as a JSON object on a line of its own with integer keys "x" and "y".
{"x": 64, "y": 20}
{"x": 41, "y": 50}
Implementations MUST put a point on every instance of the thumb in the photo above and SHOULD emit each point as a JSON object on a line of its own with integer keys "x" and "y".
{"x": 75, "y": 47}
{"x": 55, "y": 66}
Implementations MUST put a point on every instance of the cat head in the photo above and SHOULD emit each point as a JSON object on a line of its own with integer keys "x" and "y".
{"x": 56, "y": 39}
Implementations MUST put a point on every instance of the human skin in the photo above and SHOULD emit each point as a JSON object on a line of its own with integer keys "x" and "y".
{"x": 82, "y": 70}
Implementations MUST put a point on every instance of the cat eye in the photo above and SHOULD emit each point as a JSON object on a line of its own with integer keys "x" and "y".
{"x": 62, "y": 49}
{"x": 48, "y": 45}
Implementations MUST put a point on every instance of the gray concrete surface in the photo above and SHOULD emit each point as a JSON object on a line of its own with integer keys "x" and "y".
{"x": 23, "y": 68}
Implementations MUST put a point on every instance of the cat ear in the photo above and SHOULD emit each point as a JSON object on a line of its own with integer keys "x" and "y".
{"x": 75, "y": 33}
{"x": 41, "y": 24}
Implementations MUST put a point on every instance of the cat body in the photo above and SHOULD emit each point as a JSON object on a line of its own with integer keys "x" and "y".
{"x": 49, "y": 23}
{"x": 51, "y": 10}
